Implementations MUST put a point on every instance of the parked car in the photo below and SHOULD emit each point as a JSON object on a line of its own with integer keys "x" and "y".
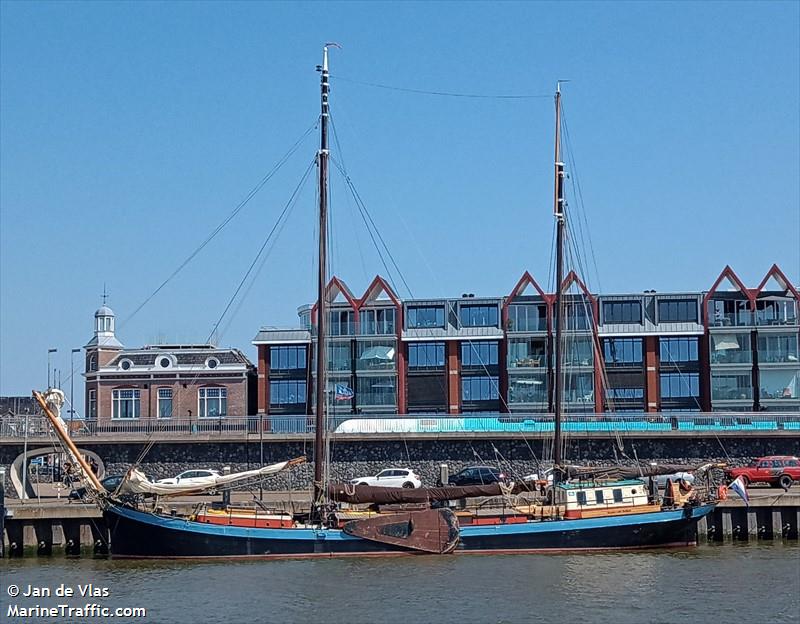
{"x": 109, "y": 483}
{"x": 477, "y": 475}
{"x": 776, "y": 470}
{"x": 391, "y": 477}
{"x": 191, "y": 477}
{"x": 661, "y": 480}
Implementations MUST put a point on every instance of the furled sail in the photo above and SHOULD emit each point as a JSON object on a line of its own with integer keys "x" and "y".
{"x": 136, "y": 481}
{"x": 348, "y": 493}
{"x": 634, "y": 472}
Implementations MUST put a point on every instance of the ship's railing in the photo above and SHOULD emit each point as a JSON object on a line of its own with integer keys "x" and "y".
{"x": 19, "y": 427}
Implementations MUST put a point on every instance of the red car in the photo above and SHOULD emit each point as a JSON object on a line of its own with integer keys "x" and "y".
{"x": 777, "y": 470}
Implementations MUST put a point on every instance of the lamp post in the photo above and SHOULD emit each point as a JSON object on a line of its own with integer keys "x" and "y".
{"x": 72, "y": 385}
{"x": 49, "y": 351}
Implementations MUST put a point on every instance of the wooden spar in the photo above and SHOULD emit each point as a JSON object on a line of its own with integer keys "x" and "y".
{"x": 322, "y": 310}
{"x": 61, "y": 433}
{"x": 558, "y": 211}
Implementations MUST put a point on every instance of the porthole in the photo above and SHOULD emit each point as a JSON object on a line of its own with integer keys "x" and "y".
{"x": 164, "y": 362}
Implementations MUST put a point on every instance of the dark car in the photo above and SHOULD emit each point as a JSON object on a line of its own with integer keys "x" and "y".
{"x": 109, "y": 483}
{"x": 477, "y": 475}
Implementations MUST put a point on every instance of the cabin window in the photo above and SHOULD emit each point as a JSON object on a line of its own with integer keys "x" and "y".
{"x": 581, "y": 498}
{"x": 617, "y": 495}
{"x": 598, "y": 497}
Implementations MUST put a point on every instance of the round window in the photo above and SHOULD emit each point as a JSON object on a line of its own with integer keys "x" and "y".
{"x": 212, "y": 363}
{"x": 164, "y": 362}
{"x": 125, "y": 364}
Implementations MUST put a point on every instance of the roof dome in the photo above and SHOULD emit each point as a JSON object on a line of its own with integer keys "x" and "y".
{"x": 104, "y": 311}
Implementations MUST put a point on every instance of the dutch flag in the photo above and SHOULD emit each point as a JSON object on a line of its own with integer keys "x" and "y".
{"x": 740, "y": 488}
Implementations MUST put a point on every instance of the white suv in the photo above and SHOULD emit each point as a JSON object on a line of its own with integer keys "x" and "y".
{"x": 391, "y": 477}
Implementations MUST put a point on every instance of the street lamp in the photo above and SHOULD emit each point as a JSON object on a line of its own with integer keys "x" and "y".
{"x": 49, "y": 351}
{"x": 72, "y": 385}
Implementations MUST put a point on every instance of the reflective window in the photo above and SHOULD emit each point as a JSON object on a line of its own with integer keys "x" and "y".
{"x": 425, "y": 316}
{"x": 341, "y": 323}
{"x": 622, "y": 312}
{"x": 376, "y": 355}
{"x": 777, "y": 348}
{"x": 287, "y": 357}
{"x": 731, "y": 349}
{"x": 479, "y": 353}
{"x": 731, "y": 387}
{"x": 425, "y": 355}
{"x": 677, "y": 310}
{"x": 623, "y": 350}
{"x": 527, "y": 317}
{"x": 287, "y": 392}
{"x": 578, "y": 351}
{"x": 478, "y": 315}
{"x": 625, "y": 393}
{"x": 339, "y": 358}
{"x": 673, "y": 350}
{"x": 377, "y": 391}
{"x": 377, "y": 321}
{"x": 479, "y": 388}
{"x": 527, "y": 388}
{"x": 527, "y": 352}
{"x": 92, "y": 403}
{"x": 680, "y": 385}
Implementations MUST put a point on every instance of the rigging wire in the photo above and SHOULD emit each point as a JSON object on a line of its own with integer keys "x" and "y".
{"x": 252, "y": 193}
{"x": 483, "y": 96}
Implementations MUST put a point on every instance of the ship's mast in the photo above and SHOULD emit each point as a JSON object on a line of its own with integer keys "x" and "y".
{"x": 322, "y": 311}
{"x": 558, "y": 211}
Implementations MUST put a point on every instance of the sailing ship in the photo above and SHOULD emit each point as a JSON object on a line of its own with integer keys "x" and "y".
{"x": 581, "y": 511}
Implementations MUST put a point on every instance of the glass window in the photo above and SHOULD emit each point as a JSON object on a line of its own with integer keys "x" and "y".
{"x": 581, "y": 498}
{"x": 425, "y": 355}
{"x": 527, "y": 352}
{"x": 780, "y": 384}
{"x": 626, "y": 393}
{"x": 377, "y": 391}
{"x": 125, "y": 404}
{"x": 775, "y": 312}
{"x": 341, "y": 323}
{"x": 92, "y": 363}
{"x": 528, "y": 388}
{"x": 622, "y": 312}
{"x": 527, "y": 317}
{"x": 479, "y": 388}
{"x": 479, "y": 353}
{"x": 287, "y": 357}
{"x": 623, "y": 350}
{"x": 339, "y": 358}
{"x": 165, "y": 402}
{"x": 376, "y": 355}
{"x": 92, "y": 403}
{"x": 577, "y": 315}
{"x": 578, "y": 351}
{"x": 731, "y": 387}
{"x": 677, "y": 310}
{"x": 579, "y": 388}
{"x": 731, "y": 349}
{"x": 425, "y": 316}
{"x": 478, "y": 315}
{"x": 212, "y": 402}
{"x": 598, "y": 496}
{"x": 680, "y": 385}
{"x": 774, "y": 348}
{"x": 617, "y": 495}
{"x": 377, "y": 321}
{"x": 672, "y": 350}
{"x": 287, "y": 392}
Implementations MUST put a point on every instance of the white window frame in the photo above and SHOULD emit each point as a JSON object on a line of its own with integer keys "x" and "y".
{"x": 117, "y": 400}
{"x": 203, "y": 400}
{"x": 159, "y": 398}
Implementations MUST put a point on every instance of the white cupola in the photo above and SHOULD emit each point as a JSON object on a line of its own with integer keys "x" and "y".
{"x": 104, "y": 330}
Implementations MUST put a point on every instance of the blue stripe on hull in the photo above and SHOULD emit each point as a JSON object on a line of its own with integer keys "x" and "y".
{"x": 139, "y": 534}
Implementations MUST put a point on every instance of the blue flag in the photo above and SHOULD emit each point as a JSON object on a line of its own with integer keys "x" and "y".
{"x": 343, "y": 392}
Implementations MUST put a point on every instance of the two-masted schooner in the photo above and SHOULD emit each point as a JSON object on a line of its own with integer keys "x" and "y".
{"x": 581, "y": 511}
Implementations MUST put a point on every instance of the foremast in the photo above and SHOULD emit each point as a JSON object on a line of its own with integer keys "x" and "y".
{"x": 319, "y": 496}
{"x": 558, "y": 212}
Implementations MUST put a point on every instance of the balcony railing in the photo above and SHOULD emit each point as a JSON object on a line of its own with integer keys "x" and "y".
{"x": 37, "y": 427}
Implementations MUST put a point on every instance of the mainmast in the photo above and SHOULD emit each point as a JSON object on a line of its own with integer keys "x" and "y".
{"x": 322, "y": 311}
{"x": 558, "y": 211}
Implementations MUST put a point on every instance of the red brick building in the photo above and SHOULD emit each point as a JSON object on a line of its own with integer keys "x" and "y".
{"x": 169, "y": 381}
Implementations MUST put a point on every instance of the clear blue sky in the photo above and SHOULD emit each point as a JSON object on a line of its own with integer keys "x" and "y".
{"x": 129, "y": 130}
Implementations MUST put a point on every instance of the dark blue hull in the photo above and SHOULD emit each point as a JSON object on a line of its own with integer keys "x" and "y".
{"x": 144, "y": 535}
